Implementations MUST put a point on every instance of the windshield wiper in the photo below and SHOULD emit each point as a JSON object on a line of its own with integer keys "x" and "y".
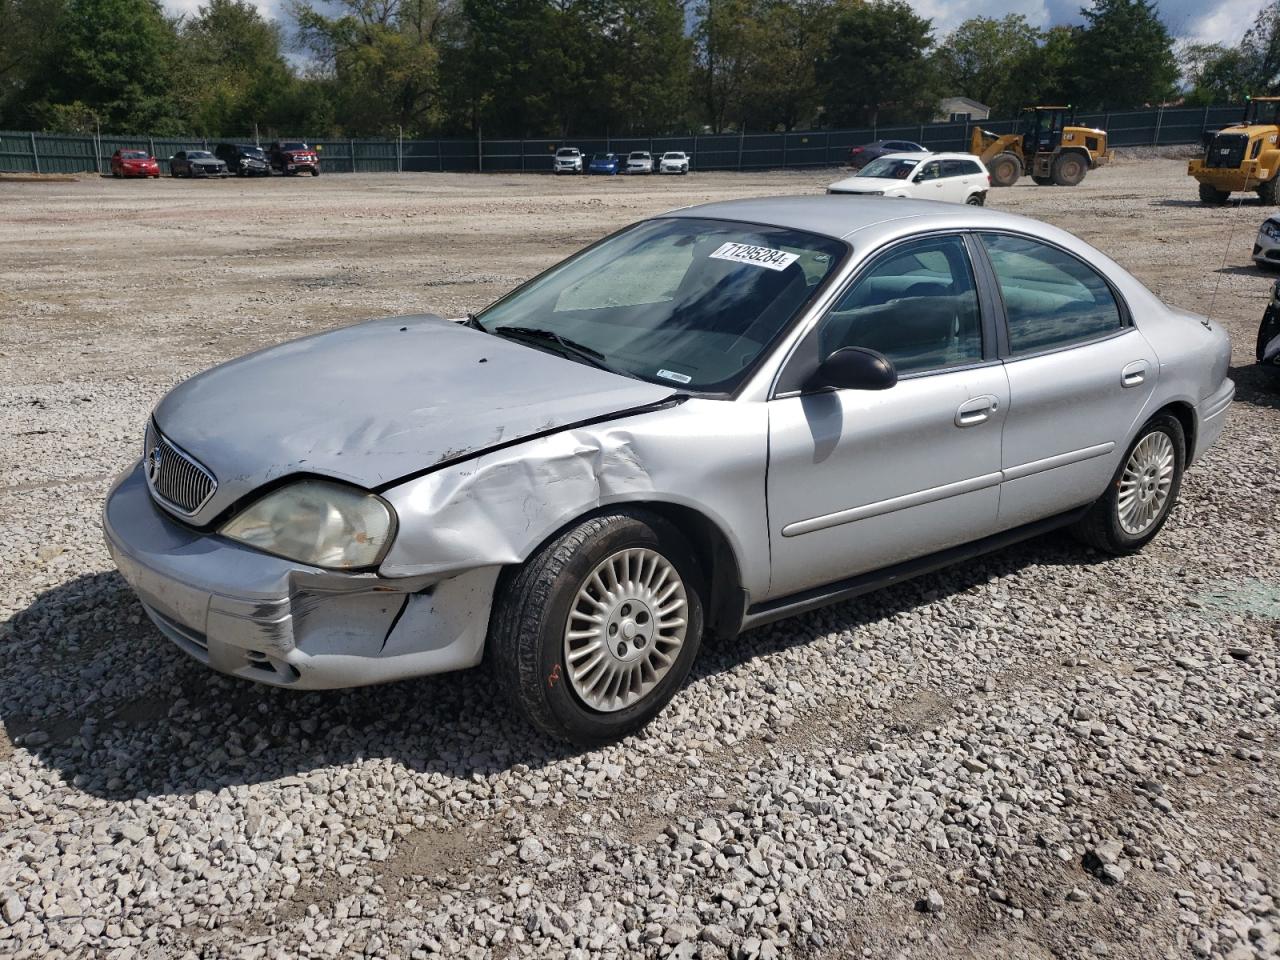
{"x": 568, "y": 347}
{"x": 473, "y": 323}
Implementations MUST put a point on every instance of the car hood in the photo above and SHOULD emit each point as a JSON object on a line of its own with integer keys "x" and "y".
{"x": 372, "y": 403}
{"x": 866, "y": 184}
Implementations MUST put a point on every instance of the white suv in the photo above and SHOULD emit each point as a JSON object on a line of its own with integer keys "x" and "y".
{"x": 639, "y": 161}
{"x": 673, "y": 161}
{"x": 568, "y": 160}
{"x": 953, "y": 177}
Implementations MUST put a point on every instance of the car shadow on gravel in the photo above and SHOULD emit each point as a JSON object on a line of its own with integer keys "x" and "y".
{"x": 1258, "y": 386}
{"x": 97, "y": 694}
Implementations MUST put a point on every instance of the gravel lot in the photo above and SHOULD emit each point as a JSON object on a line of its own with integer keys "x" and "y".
{"x": 1045, "y": 753}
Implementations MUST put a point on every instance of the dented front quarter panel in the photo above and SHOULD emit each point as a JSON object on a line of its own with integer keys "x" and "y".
{"x": 498, "y": 508}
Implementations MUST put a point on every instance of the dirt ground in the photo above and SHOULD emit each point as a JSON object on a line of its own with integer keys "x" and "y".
{"x": 111, "y": 292}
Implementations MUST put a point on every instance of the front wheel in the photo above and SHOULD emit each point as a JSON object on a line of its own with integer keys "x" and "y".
{"x": 1269, "y": 192}
{"x": 1069, "y": 169}
{"x": 595, "y": 633}
{"x": 1005, "y": 170}
{"x": 1212, "y": 195}
{"x": 1137, "y": 502}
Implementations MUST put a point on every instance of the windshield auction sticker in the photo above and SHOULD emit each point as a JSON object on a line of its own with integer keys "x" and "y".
{"x": 756, "y": 256}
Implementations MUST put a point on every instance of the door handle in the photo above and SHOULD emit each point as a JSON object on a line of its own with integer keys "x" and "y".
{"x": 976, "y": 411}
{"x": 1133, "y": 374}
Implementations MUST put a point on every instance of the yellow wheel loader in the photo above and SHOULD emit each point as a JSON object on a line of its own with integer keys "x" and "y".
{"x": 1243, "y": 156}
{"x": 1047, "y": 145}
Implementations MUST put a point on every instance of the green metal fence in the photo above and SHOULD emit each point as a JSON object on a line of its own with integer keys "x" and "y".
{"x": 28, "y": 152}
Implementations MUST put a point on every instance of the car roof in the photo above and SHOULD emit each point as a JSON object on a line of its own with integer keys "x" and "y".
{"x": 839, "y": 217}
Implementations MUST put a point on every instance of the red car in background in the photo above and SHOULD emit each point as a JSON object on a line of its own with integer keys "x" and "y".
{"x": 134, "y": 163}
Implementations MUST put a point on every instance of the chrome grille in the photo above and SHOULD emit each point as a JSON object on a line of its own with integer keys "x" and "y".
{"x": 175, "y": 479}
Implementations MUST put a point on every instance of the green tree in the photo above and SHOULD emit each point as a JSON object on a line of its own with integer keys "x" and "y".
{"x": 235, "y": 75}
{"x": 28, "y": 32}
{"x": 725, "y": 58}
{"x": 1126, "y": 55}
{"x": 1215, "y": 74}
{"x": 789, "y": 39}
{"x": 878, "y": 70}
{"x": 644, "y": 67}
{"x": 112, "y": 62}
{"x": 382, "y": 57}
{"x": 990, "y": 61}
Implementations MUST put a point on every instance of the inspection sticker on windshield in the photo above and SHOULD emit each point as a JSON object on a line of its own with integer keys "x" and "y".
{"x": 756, "y": 256}
{"x": 672, "y": 375}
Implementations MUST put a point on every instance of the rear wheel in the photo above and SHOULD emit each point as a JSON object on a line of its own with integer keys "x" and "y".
{"x": 1069, "y": 169}
{"x": 594, "y": 634}
{"x": 1211, "y": 194}
{"x": 1138, "y": 500}
{"x": 976, "y": 199}
{"x": 1005, "y": 170}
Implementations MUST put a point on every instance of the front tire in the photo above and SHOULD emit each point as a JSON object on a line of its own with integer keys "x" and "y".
{"x": 1005, "y": 170}
{"x": 594, "y": 634}
{"x": 1143, "y": 491}
{"x": 1212, "y": 195}
{"x": 1269, "y": 192}
{"x": 1069, "y": 169}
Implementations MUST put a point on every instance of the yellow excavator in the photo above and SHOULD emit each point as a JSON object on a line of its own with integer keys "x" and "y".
{"x": 1243, "y": 156}
{"x": 1048, "y": 145}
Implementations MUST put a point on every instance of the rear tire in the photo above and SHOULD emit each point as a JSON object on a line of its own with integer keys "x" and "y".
{"x": 530, "y": 636}
{"x": 1212, "y": 195}
{"x": 1005, "y": 170}
{"x": 976, "y": 199}
{"x": 1142, "y": 493}
{"x": 1069, "y": 169}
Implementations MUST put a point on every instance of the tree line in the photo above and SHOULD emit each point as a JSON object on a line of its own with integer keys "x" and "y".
{"x": 559, "y": 68}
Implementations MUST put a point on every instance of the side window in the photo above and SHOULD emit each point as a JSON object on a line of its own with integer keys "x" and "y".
{"x": 917, "y": 305}
{"x": 931, "y": 170}
{"x": 1051, "y": 299}
{"x": 955, "y": 168}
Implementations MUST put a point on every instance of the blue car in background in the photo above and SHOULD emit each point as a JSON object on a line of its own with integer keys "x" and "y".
{"x": 604, "y": 163}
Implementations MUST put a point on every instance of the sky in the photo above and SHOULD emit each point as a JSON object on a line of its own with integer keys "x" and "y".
{"x": 1221, "y": 21}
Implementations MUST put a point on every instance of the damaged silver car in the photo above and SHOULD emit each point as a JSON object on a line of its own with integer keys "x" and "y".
{"x": 712, "y": 419}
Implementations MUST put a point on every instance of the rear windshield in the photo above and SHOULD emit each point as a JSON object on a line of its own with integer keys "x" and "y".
{"x": 889, "y": 168}
{"x": 683, "y": 302}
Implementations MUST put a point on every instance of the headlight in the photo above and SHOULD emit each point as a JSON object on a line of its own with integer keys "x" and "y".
{"x": 1272, "y": 230}
{"x": 317, "y": 522}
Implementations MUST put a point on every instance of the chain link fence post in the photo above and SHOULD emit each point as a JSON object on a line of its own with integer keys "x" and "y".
{"x": 35, "y": 154}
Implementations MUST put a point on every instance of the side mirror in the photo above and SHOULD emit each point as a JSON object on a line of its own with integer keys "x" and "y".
{"x": 854, "y": 368}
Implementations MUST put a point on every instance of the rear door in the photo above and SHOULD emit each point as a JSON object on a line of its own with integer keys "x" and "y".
{"x": 1080, "y": 377}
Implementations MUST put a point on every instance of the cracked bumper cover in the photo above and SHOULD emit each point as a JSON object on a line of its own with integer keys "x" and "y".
{"x": 280, "y": 622}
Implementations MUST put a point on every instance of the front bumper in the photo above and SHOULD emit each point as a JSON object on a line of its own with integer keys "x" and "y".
{"x": 1266, "y": 250}
{"x": 279, "y": 622}
{"x": 1248, "y": 176}
{"x": 672, "y": 169}
{"x": 1211, "y": 417}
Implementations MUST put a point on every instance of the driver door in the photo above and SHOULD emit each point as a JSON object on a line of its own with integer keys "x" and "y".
{"x": 860, "y": 480}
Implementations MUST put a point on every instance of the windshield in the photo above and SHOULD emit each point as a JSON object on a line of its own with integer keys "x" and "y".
{"x": 293, "y": 145}
{"x": 566, "y": 153}
{"x": 639, "y": 156}
{"x": 1262, "y": 111}
{"x": 673, "y": 156}
{"x": 682, "y": 301}
{"x": 132, "y": 155}
{"x": 199, "y": 155}
{"x": 603, "y": 157}
{"x": 251, "y": 152}
{"x": 889, "y": 169}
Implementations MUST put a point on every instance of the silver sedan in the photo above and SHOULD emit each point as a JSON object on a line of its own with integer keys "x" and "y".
{"x": 712, "y": 419}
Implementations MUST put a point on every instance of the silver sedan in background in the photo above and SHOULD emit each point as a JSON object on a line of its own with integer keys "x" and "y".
{"x": 712, "y": 419}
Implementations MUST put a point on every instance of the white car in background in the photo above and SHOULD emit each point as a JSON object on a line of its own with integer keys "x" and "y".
{"x": 568, "y": 160}
{"x": 639, "y": 161}
{"x": 674, "y": 161}
{"x": 953, "y": 177}
{"x": 1266, "y": 249}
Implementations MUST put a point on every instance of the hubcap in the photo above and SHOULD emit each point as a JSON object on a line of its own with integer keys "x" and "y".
{"x": 625, "y": 629}
{"x": 1145, "y": 484}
